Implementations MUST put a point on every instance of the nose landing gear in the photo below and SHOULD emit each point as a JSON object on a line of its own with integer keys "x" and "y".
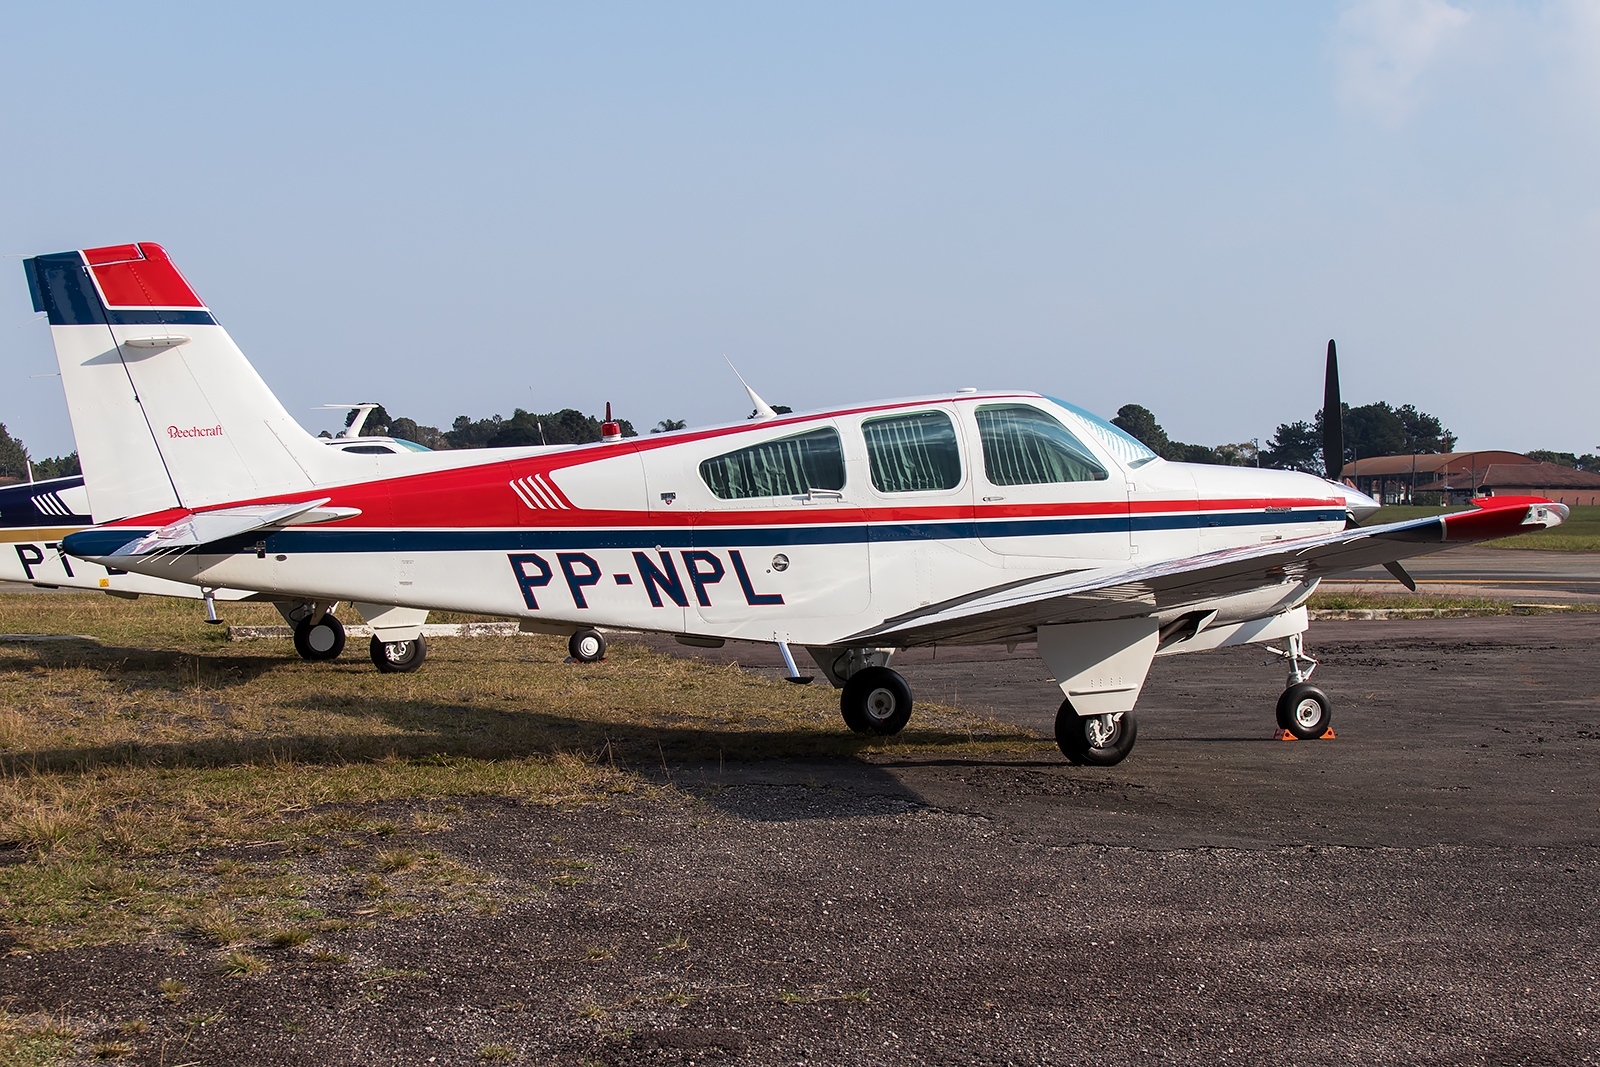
{"x": 1303, "y": 710}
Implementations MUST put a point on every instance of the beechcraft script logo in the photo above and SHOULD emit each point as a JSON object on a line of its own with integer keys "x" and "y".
{"x": 195, "y": 431}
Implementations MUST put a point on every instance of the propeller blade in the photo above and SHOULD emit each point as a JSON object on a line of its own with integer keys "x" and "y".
{"x": 1332, "y": 419}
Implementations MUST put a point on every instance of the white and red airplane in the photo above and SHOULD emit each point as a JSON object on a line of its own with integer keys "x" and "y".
{"x": 964, "y": 517}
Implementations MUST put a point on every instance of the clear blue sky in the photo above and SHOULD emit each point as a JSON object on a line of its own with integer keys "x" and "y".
{"x": 469, "y": 208}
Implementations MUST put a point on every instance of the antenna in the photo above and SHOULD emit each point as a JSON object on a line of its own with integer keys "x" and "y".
{"x": 610, "y": 431}
{"x": 763, "y": 409}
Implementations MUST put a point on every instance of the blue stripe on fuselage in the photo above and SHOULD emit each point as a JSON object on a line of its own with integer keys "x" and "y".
{"x": 106, "y": 540}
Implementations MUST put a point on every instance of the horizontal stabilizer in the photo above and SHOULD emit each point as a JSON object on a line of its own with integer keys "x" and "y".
{"x": 204, "y": 527}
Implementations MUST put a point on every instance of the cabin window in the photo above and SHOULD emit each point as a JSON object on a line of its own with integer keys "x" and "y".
{"x": 1024, "y": 446}
{"x": 913, "y": 453}
{"x": 789, "y": 466}
{"x": 369, "y": 450}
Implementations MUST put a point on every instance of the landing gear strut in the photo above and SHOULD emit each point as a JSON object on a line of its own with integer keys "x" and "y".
{"x": 1303, "y": 709}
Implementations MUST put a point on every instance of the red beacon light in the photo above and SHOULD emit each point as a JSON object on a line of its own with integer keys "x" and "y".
{"x": 610, "y": 431}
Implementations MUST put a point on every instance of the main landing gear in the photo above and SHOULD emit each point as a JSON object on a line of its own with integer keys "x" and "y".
{"x": 398, "y": 657}
{"x": 876, "y": 700}
{"x": 587, "y": 646}
{"x": 1095, "y": 740}
{"x": 319, "y": 640}
{"x": 1303, "y": 709}
{"x": 873, "y": 699}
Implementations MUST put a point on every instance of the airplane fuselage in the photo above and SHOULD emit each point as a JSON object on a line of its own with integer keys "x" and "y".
{"x": 670, "y": 534}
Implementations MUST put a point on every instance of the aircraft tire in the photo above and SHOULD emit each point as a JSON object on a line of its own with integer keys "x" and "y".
{"x": 876, "y": 700}
{"x": 1078, "y": 739}
{"x": 398, "y": 657}
{"x": 587, "y": 646}
{"x": 1305, "y": 711}
{"x": 319, "y": 643}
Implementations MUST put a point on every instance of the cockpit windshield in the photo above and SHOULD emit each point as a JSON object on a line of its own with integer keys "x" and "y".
{"x": 1126, "y": 447}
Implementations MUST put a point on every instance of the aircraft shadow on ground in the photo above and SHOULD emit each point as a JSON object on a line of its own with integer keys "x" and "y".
{"x": 432, "y": 730}
{"x": 219, "y": 671}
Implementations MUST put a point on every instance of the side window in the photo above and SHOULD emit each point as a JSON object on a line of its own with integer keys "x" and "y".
{"x": 1024, "y": 446}
{"x": 913, "y": 453}
{"x": 788, "y": 466}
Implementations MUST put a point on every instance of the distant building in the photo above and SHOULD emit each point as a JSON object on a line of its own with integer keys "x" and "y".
{"x": 1552, "y": 481}
{"x": 1395, "y": 479}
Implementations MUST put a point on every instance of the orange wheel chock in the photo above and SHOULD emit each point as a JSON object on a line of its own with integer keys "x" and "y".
{"x": 1285, "y": 735}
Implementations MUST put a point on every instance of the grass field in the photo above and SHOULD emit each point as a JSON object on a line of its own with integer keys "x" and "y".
{"x": 138, "y": 771}
{"x": 1580, "y": 533}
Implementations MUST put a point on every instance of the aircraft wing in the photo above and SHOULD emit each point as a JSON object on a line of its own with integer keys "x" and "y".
{"x": 1017, "y": 608}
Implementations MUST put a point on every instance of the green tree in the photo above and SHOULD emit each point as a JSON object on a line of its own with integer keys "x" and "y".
{"x": 405, "y": 429}
{"x": 667, "y": 425}
{"x": 1425, "y": 434}
{"x": 57, "y": 467}
{"x": 1295, "y": 446}
{"x": 13, "y": 456}
{"x": 1141, "y": 422}
{"x": 1586, "y": 462}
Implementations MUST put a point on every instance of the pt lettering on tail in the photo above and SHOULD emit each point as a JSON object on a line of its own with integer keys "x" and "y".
{"x": 660, "y": 579}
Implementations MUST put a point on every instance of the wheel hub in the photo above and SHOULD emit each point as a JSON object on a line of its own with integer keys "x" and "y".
{"x": 1100, "y": 729}
{"x": 397, "y": 651}
{"x": 321, "y": 638}
{"x": 880, "y": 705}
{"x": 1307, "y": 713}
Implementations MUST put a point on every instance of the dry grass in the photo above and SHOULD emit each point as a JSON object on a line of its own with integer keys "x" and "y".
{"x": 34, "y": 1040}
{"x": 122, "y": 758}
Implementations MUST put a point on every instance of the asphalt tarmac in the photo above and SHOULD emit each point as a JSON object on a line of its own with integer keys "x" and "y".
{"x": 1499, "y": 573}
{"x": 1420, "y": 890}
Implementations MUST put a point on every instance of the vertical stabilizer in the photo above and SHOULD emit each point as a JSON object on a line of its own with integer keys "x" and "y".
{"x": 166, "y": 410}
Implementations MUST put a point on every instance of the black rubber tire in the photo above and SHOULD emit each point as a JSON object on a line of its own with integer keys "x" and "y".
{"x": 1305, "y": 711}
{"x": 1074, "y": 740}
{"x": 321, "y": 642}
{"x": 587, "y": 646}
{"x": 876, "y": 700}
{"x": 398, "y": 657}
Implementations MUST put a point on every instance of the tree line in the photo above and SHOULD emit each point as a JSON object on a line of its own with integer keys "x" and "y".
{"x": 14, "y": 460}
{"x": 1369, "y": 430}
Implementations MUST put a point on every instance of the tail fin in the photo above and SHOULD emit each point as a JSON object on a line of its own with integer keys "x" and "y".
{"x": 166, "y": 410}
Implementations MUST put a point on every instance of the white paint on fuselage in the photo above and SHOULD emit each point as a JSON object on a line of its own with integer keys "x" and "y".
{"x": 897, "y": 552}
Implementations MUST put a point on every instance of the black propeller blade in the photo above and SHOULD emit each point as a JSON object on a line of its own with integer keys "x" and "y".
{"x": 1332, "y": 419}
